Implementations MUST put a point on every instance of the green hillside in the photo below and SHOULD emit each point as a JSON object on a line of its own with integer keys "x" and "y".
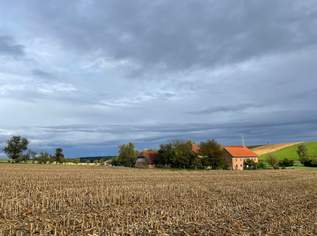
{"x": 291, "y": 152}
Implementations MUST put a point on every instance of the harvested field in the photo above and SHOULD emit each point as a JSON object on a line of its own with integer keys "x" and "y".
{"x": 71, "y": 200}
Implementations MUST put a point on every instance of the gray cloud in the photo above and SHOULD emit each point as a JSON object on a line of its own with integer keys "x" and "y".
{"x": 111, "y": 135}
{"x": 200, "y": 68}
{"x": 230, "y": 108}
{"x": 179, "y": 34}
{"x": 8, "y": 47}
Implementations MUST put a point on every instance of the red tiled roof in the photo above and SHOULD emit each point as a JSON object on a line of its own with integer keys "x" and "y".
{"x": 240, "y": 151}
{"x": 150, "y": 155}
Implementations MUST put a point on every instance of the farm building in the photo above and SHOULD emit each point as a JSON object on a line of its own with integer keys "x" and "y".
{"x": 236, "y": 155}
{"x": 146, "y": 159}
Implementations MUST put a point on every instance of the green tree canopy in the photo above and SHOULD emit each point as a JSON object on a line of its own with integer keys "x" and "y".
{"x": 302, "y": 154}
{"x": 184, "y": 156}
{"x": 127, "y": 155}
{"x": 166, "y": 155}
{"x": 178, "y": 154}
{"x": 15, "y": 148}
{"x": 59, "y": 155}
{"x": 213, "y": 154}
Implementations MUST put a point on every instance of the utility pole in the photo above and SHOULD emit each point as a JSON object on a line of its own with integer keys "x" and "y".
{"x": 243, "y": 140}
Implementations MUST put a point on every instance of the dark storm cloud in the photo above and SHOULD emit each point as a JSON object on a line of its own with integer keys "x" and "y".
{"x": 288, "y": 121}
{"x": 179, "y": 34}
{"x": 9, "y": 47}
{"x": 272, "y": 130}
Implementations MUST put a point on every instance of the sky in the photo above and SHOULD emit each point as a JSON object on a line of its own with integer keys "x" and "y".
{"x": 90, "y": 75}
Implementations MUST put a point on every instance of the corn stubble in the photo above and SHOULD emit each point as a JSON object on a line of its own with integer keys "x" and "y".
{"x": 64, "y": 200}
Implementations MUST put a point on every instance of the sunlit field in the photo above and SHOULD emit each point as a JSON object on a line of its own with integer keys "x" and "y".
{"x": 74, "y": 200}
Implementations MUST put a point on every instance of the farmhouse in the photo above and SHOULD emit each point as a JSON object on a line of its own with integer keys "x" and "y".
{"x": 236, "y": 155}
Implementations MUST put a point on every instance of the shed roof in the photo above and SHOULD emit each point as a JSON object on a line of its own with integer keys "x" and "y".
{"x": 240, "y": 151}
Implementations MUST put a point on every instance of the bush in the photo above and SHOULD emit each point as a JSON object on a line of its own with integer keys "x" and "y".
{"x": 260, "y": 165}
{"x": 310, "y": 162}
{"x": 314, "y": 162}
{"x": 286, "y": 163}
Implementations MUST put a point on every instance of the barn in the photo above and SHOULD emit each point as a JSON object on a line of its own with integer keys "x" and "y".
{"x": 235, "y": 156}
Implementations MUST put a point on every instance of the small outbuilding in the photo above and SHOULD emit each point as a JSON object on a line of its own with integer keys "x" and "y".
{"x": 146, "y": 159}
{"x": 141, "y": 162}
{"x": 235, "y": 156}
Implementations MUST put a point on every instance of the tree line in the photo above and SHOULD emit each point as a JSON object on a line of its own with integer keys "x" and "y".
{"x": 17, "y": 150}
{"x": 175, "y": 154}
{"x": 178, "y": 154}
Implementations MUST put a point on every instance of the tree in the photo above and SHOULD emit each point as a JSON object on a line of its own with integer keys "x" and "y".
{"x": 127, "y": 155}
{"x": 178, "y": 154}
{"x": 302, "y": 154}
{"x": 166, "y": 155}
{"x": 184, "y": 155}
{"x": 213, "y": 154}
{"x": 43, "y": 158}
{"x": 15, "y": 148}
{"x": 272, "y": 161}
{"x": 59, "y": 155}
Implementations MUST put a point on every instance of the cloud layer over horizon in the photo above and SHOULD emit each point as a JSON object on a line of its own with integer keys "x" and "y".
{"x": 90, "y": 75}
